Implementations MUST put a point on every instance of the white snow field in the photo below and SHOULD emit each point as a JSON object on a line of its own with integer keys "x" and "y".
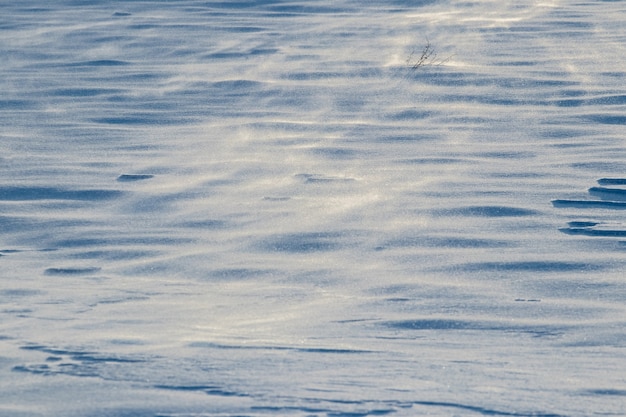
{"x": 260, "y": 208}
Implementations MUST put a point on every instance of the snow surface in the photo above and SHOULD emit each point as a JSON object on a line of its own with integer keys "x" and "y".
{"x": 229, "y": 208}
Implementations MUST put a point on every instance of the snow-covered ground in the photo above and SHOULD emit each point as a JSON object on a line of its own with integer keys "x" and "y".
{"x": 260, "y": 208}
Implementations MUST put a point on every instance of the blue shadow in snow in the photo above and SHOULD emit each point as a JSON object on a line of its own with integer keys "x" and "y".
{"x": 603, "y": 101}
{"x": 436, "y": 324}
{"x": 411, "y": 3}
{"x": 434, "y": 161}
{"x": 452, "y": 325}
{"x": 209, "y": 224}
{"x": 410, "y": 114}
{"x": 603, "y": 165}
{"x": 614, "y": 194}
{"x": 488, "y": 211}
{"x": 610, "y": 392}
{"x": 313, "y": 75}
{"x": 315, "y": 178}
{"x": 484, "y": 411}
{"x": 607, "y": 119}
{"x": 301, "y": 242}
{"x": 19, "y": 292}
{"x": 84, "y": 92}
{"x": 528, "y": 266}
{"x": 336, "y": 153}
{"x": 80, "y": 355}
{"x": 207, "y": 389}
{"x": 121, "y": 241}
{"x": 230, "y": 274}
{"x": 51, "y": 193}
{"x": 277, "y": 410}
{"x": 240, "y": 4}
{"x": 239, "y": 55}
{"x": 98, "y": 63}
{"x": 406, "y": 138}
{"x": 242, "y": 29}
{"x": 134, "y": 177}
{"x": 582, "y": 224}
{"x": 71, "y": 271}
{"x": 114, "y": 255}
{"x": 612, "y": 181}
{"x": 211, "y": 345}
{"x": 12, "y": 224}
{"x": 613, "y": 205}
{"x": 153, "y": 118}
{"x": 17, "y": 104}
{"x": 586, "y": 229}
{"x": 234, "y": 85}
{"x": 443, "y": 242}
{"x": 187, "y": 387}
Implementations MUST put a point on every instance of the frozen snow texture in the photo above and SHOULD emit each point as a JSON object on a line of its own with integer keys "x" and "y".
{"x": 258, "y": 208}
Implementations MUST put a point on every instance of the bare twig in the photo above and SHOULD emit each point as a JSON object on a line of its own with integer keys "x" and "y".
{"x": 428, "y": 56}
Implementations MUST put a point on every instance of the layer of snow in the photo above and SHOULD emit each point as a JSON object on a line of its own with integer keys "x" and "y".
{"x": 259, "y": 208}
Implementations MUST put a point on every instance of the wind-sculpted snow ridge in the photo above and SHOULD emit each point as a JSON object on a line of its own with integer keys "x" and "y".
{"x": 609, "y": 198}
{"x": 66, "y": 364}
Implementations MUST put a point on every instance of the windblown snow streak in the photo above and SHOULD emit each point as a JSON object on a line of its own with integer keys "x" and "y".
{"x": 260, "y": 208}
